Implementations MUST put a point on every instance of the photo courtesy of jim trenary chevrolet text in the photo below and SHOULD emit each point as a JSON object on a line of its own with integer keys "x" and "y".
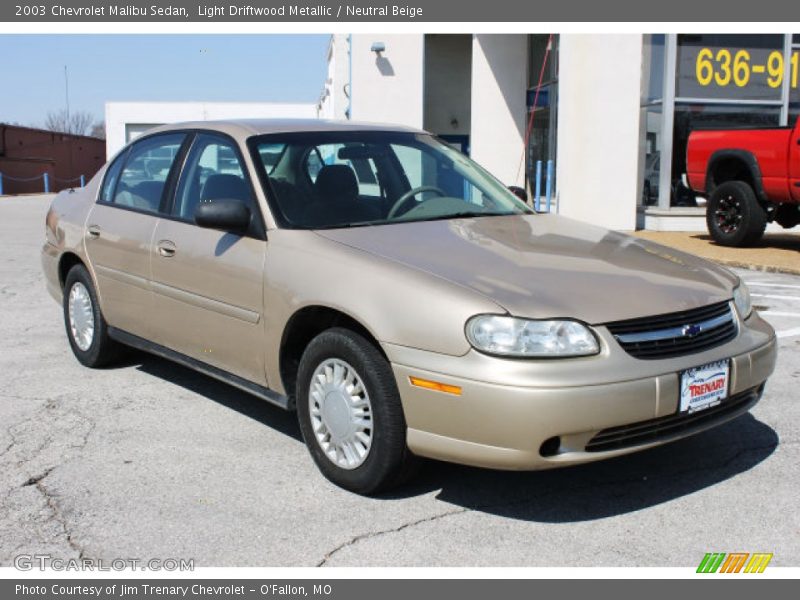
{"x": 441, "y": 298}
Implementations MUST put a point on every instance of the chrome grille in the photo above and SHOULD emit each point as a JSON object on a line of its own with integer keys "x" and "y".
{"x": 676, "y": 334}
{"x": 675, "y": 425}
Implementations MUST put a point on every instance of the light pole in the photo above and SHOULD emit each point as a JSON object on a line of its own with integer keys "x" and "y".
{"x": 66, "y": 92}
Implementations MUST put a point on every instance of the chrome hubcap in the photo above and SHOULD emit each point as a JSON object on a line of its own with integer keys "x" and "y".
{"x": 81, "y": 316}
{"x": 341, "y": 413}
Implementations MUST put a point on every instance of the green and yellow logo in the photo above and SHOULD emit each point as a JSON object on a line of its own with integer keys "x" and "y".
{"x": 734, "y": 562}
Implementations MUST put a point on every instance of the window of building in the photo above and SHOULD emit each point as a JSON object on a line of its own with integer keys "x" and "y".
{"x": 730, "y": 67}
{"x": 709, "y": 81}
{"x": 654, "y": 58}
{"x": 542, "y": 109}
{"x": 652, "y": 116}
{"x": 794, "y": 76}
{"x": 718, "y": 80}
{"x": 692, "y": 117}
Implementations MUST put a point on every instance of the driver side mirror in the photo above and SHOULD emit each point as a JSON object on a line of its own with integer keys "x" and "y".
{"x": 519, "y": 192}
{"x": 225, "y": 214}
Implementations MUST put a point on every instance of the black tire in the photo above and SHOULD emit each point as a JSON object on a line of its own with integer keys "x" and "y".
{"x": 733, "y": 216}
{"x": 102, "y": 350}
{"x": 388, "y": 461}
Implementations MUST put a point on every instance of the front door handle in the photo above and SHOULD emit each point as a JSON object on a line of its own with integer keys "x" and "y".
{"x": 93, "y": 231}
{"x": 166, "y": 248}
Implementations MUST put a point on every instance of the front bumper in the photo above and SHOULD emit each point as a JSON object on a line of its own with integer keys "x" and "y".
{"x": 510, "y": 411}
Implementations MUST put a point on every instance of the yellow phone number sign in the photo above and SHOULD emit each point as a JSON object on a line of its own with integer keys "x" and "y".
{"x": 724, "y": 67}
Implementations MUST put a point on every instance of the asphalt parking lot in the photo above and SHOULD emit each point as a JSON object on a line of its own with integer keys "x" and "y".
{"x": 150, "y": 460}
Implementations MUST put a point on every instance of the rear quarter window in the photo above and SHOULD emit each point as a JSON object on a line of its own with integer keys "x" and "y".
{"x": 111, "y": 177}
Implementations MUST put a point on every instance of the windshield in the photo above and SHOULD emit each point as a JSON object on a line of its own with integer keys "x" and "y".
{"x": 323, "y": 180}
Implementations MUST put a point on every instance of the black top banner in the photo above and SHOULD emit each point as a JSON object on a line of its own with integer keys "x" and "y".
{"x": 432, "y": 11}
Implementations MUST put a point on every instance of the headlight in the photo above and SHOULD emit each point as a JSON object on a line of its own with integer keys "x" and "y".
{"x": 741, "y": 298}
{"x": 509, "y": 336}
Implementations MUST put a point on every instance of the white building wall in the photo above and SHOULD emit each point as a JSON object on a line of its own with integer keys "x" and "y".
{"x": 499, "y": 78}
{"x": 333, "y": 103}
{"x": 448, "y": 84}
{"x": 136, "y": 116}
{"x": 388, "y": 88}
{"x": 598, "y": 128}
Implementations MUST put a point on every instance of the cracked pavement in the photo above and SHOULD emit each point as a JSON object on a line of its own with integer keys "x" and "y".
{"x": 150, "y": 460}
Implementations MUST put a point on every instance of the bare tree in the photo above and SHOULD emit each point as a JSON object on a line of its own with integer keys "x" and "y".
{"x": 76, "y": 122}
{"x": 98, "y": 130}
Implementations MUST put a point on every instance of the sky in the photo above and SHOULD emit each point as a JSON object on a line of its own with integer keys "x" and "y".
{"x": 102, "y": 68}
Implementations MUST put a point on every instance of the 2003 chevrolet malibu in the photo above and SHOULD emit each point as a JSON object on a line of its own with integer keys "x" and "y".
{"x": 400, "y": 298}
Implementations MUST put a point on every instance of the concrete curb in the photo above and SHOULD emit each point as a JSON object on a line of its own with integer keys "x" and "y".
{"x": 763, "y": 268}
{"x": 779, "y": 253}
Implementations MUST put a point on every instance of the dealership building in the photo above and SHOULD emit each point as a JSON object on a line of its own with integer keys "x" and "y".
{"x": 126, "y": 121}
{"x": 610, "y": 114}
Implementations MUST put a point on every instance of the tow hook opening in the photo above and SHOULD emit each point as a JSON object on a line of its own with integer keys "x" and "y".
{"x": 550, "y": 446}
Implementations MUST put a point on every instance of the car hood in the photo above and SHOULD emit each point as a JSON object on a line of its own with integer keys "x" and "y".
{"x": 546, "y": 266}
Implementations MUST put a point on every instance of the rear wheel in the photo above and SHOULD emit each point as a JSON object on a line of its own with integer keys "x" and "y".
{"x": 734, "y": 216}
{"x": 87, "y": 330}
{"x": 350, "y": 413}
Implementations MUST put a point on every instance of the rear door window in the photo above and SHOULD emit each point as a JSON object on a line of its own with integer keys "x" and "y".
{"x": 147, "y": 167}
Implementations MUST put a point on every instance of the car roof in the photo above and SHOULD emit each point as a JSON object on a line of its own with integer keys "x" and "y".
{"x": 245, "y": 128}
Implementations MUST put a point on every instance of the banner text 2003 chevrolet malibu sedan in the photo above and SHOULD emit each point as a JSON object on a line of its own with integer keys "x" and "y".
{"x": 400, "y": 298}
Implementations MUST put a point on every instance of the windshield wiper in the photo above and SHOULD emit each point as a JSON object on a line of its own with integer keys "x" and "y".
{"x": 348, "y": 225}
{"x": 464, "y": 214}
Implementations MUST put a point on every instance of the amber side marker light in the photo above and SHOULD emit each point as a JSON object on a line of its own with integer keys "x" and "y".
{"x": 435, "y": 385}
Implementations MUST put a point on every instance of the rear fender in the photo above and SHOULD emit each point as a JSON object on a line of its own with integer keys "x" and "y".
{"x": 745, "y": 159}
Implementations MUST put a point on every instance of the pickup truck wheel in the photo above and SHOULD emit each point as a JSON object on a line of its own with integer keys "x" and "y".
{"x": 734, "y": 216}
{"x": 87, "y": 330}
{"x": 350, "y": 413}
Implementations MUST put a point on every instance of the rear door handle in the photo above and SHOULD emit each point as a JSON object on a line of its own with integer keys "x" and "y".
{"x": 93, "y": 231}
{"x": 166, "y": 248}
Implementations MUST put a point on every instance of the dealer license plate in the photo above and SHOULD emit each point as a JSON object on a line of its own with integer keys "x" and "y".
{"x": 705, "y": 386}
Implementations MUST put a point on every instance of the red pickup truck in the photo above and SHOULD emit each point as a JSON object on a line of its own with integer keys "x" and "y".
{"x": 749, "y": 176}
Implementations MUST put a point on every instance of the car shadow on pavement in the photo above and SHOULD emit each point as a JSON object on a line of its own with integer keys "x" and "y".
{"x": 606, "y": 488}
{"x": 573, "y": 494}
{"x": 221, "y": 393}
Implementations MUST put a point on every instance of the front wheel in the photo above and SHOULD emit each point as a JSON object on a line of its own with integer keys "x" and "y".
{"x": 734, "y": 216}
{"x": 87, "y": 330}
{"x": 350, "y": 413}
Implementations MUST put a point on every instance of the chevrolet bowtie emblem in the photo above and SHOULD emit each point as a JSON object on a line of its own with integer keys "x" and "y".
{"x": 691, "y": 330}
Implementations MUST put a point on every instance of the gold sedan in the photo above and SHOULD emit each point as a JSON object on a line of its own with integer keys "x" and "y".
{"x": 399, "y": 298}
